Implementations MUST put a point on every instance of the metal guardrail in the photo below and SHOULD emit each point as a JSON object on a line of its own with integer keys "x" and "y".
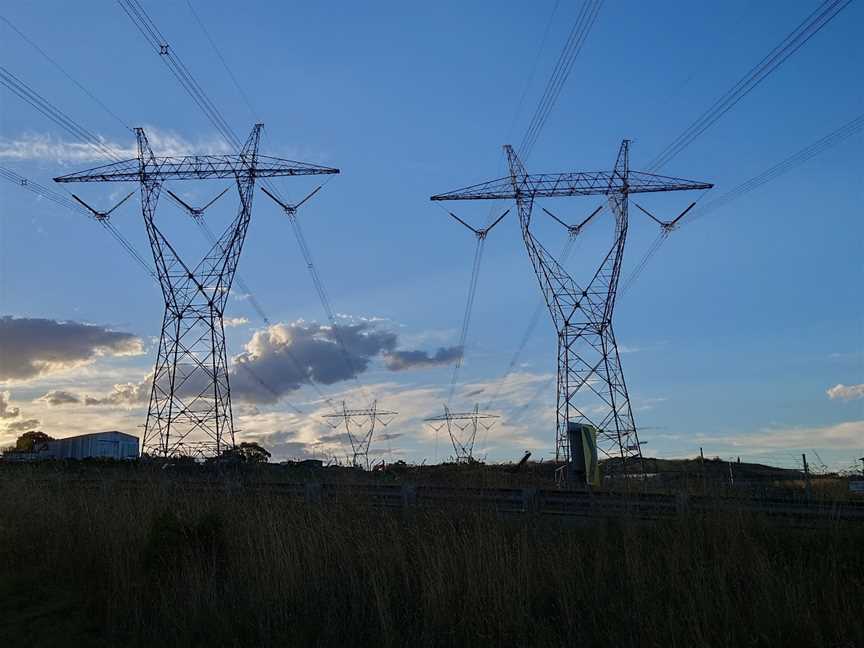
{"x": 560, "y": 503}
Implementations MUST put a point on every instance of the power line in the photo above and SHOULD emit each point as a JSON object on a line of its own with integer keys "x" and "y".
{"x": 63, "y": 120}
{"x": 585, "y": 20}
{"x": 52, "y": 112}
{"x": 208, "y": 233}
{"x": 529, "y": 330}
{"x": 156, "y": 39}
{"x": 773, "y": 60}
{"x": 781, "y": 168}
{"x": 466, "y": 318}
{"x": 785, "y": 166}
{"x": 530, "y": 79}
{"x": 54, "y": 62}
{"x": 61, "y": 200}
{"x": 252, "y": 110}
{"x": 578, "y": 35}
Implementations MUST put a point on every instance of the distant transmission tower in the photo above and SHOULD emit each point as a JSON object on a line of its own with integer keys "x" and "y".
{"x": 591, "y": 387}
{"x": 462, "y": 429}
{"x": 360, "y": 428}
{"x": 190, "y": 398}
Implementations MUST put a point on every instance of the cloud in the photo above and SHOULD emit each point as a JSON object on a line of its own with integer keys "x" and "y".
{"x": 6, "y": 411}
{"x": 42, "y": 146}
{"x": 846, "y": 435}
{"x": 406, "y": 360}
{"x": 24, "y": 425}
{"x": 35, "y": 347}
{"x": 845, "y": 392}
{"x": 283, "y": 357}
{"x": 128, "y": 394}
{"x": 57, "y": 397}
{"x": 234, "y": 321}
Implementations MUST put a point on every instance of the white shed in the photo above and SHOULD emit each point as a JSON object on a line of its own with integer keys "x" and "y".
{"x": 109, "y": 445}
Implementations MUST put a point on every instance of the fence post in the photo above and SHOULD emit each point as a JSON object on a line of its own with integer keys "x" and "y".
{"x": 313, "y": 493}
{"x": 529, "y": 500}
{"x": 409, "y": 495}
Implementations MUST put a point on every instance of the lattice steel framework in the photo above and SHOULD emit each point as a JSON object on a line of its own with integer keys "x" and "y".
{"x": 359, "y": 435}
{"x": 190, "y": 399}
{"x": 462, "y": 429}
{"x": 591, "y": 386}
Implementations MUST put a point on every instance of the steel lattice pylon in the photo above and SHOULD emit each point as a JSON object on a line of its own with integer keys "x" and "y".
{"x": 591, "y": 386}
{"x": 467, "y": 424}
{"x": 190, "y": 398}
{"x": 360, "y": 439}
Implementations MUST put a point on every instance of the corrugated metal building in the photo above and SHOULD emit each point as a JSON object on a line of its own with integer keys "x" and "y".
{"x": 109, "y": 445}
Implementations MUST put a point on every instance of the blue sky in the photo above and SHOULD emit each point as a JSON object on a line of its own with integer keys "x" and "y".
{"x": 733, "y": 333}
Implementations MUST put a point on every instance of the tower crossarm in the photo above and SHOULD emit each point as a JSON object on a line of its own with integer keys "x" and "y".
{"x": 583, "y": 183}
{"x": 196, "y": 167}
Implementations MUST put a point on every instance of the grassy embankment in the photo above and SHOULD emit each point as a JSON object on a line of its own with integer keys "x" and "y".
{"x": 158, "y": 566}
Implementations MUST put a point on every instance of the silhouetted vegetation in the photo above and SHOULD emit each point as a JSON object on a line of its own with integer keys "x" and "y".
{"x": 169, "y": 564}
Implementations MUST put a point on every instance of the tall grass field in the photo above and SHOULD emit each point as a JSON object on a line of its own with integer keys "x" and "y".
{"x": 172, "y": 565}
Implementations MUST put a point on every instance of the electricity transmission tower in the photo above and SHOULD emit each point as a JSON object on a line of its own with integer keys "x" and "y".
{"x": 462, "y": 429}
{"x": 190, "y": 398}
{"x": 360, "y": 428}
{"x": 591, "y": 387}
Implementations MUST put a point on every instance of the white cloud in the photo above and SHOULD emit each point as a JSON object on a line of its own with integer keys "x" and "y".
{"x": 845, "y": 392}
{"x": 847, "y": 435}
{"x": 43, "y": 146}
{"x": 234, "y": 321}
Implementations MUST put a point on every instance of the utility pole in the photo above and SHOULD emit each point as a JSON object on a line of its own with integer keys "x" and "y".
{"x": 190, "y": 398}
{"x": 591, "y": 386}
{"x": 807, "y": 486}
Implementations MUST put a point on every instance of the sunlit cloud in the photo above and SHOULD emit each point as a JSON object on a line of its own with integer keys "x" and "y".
{"x": 35, "y": 347}
{"x": 847, "y": 435}
{"x": 845, "y": 392}
{"x": 58, "y": 397}
{"x": 230, "y": 322}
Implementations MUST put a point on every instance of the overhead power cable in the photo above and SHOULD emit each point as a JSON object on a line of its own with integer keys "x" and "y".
{"x": 160, "y": 44}
{"x": 80, "y": 133}
{"x": 245, "y": 97}
{"x": 59, "y": 199}
{"x": 781, "y": 168}
{"x": 52, "y": 112}
{"x": 773, "y": 60}
{"x": 518, "y": 111}
{"x": 529, "y": 330}
{"x": 578, "y": 35}
{"x": 795, "y": 160}
{"x": 466, "y": 318}
{"x": 63, "y": 71}
{"x": 256, "y": 305}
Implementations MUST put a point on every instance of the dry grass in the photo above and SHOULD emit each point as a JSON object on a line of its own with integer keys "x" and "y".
{"x": 165, "y": 565}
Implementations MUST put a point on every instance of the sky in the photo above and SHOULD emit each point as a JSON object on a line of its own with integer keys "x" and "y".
{"x": 742, "y": 336}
